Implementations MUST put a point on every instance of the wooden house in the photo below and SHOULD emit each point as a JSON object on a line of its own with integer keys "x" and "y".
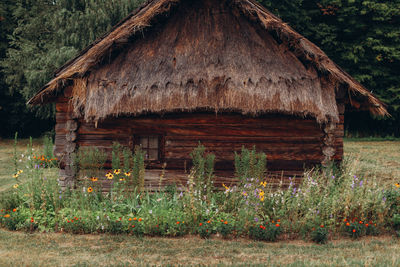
{"x": 227, "y": 73}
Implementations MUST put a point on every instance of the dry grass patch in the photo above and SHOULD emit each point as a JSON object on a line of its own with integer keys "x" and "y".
{"x": 44, "y": 249}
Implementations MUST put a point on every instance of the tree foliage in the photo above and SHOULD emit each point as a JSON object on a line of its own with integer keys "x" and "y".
{"x": 363, "y": 37}
{"x": 38, "y": 36}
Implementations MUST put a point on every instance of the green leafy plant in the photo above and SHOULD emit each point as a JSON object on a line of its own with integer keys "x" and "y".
{"x": 225, "y": 228}
{"x": 205, "y": 229}
{"x": 265, "y": 232}
{"x": 203, "y": 169}
{"x": 319, "y": 234}
{"x": 250, "y": 164}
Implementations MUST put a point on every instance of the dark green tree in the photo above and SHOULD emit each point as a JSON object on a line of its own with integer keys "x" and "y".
{"x": 46, "y": 34}
{"x": 363, "y": 37}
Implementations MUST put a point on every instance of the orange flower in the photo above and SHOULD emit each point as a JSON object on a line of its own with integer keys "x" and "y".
{"x": 279, "y": 221}
{"x": 94, "y": 179}
{"x": 32, "y": 220}
{"x": 222, "y": 220}
{"x": 226, "y": 222}
{"x": 354, "y": 230}
{"x": 7, "y": 216}
{"x": 134, "y": 219}
{"x": 177, "y": 222}
{"x": 130, "y": 219}
{"x": 277, "y": 225}
{"x": 361, "y": 222}
{"x": 14, "y": 210}
{"x": 90, "y": 189}
{"x": 366, "y": 224}
{"x": 208, "y": 221}
{"x": 348, "y": 224}
{"x": 345, "y": 220}
{"x": 200, "y": 224}
{"x": 140, "y": 219}
{"x": 322, "y": 226}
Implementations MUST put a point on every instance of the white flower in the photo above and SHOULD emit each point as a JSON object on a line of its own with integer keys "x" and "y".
{"x": 151, "y": 211}
{"x": 98, "y": 218}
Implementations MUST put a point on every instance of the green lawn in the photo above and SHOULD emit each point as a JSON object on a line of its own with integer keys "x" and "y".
{"x": 380, "y": 159}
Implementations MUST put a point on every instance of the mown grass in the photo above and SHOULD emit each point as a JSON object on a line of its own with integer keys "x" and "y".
{"x": 380, "y": 159}
{"x": 43, "y": 249}
{"x": 376, "y": 158}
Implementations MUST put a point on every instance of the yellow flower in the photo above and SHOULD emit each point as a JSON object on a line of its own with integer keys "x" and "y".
{"x": 122, "y": 179}
{"x": 20, "y": 171}
{"x": 397, "y": 185}
{"x": 263, "y": 184}
{"x": 16, "y": 175}
{"x": 90, "y": 189}
{"x": 94, "y": 179}
{"x": 7, "y": 216}
{"x": 16, "y": 186}
{"x": 127, "y": 174}
{"x": 226, "y": 188}
{"x": 117, "y": 171}
{"x": 109, "y": 176}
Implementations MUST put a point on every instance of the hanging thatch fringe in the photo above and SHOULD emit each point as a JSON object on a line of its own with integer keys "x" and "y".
{"x": 295, "y": 95}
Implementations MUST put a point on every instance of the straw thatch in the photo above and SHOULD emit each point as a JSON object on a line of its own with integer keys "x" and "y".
{"x": 172, "y": 55}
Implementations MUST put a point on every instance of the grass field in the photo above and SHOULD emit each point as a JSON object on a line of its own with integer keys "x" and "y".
{"x": 380, "y": 159}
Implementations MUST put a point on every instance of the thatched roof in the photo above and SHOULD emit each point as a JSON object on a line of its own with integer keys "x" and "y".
{"x": 181, "y": 55}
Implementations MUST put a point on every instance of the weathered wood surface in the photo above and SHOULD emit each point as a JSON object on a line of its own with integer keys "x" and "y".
{"x": 290, "y": 143}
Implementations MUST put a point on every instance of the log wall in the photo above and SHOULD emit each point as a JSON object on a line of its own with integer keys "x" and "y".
{"x": 290, "y": 143}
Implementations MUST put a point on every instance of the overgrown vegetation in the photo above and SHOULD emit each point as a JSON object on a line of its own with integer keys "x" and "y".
{"x": 329, "y": 201}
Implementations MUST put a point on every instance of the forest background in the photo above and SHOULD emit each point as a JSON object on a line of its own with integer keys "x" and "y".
{"x": 39, "y": 36}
